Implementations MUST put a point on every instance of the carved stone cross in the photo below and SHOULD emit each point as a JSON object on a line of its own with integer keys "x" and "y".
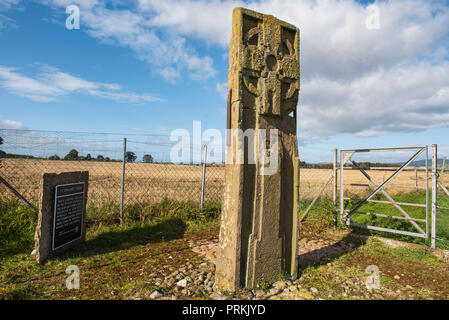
{"x": 259, "y": 222}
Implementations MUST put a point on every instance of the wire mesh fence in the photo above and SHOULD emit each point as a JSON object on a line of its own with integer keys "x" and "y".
{"x": 442, "y": 214}
{"x": 147, "y": 177}
{"x": 318, "y": 185}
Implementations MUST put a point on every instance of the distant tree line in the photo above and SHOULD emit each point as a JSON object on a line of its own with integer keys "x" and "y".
{"x": 303, "y": 164}
{"x": 368, "y": 164}
{"x": 74, "y": 155}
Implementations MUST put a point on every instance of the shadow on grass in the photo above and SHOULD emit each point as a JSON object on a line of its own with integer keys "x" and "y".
{"x": 166, "y": 230}
{"x": 25, "y": 293}
{"x": 329, "y": 253}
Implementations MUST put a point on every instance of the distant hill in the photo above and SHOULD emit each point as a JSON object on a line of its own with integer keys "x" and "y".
{"x": 418, "y": 163}
{"x": 421, "y": 163}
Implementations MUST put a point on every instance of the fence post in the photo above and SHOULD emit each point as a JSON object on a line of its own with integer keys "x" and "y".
{"x": 122, "y": 191}
{"x": 416, "y": 178}
{"x": 203, "y": 180}
{"x": 427, "y": 193}
{"x": 341, "y": 188}
{"x": 335, "y": 188}
{"x": 434, "y": 195}
{"x": 443, "y": 166}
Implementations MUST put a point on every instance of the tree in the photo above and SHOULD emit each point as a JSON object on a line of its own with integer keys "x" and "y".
{"x": 89, "y": 157}
{"x": 54, "y": 157}
{"x": 72, "y": 155}
{"x": 100, "y": 158}
{"x": 130, "y": 156}
{"x": 148, "y": 158}
{"x": 2, "y": 153}
{"x": 107, "y": 159}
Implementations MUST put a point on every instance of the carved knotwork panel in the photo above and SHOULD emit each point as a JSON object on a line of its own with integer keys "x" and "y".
{"x": 270, "y": 66}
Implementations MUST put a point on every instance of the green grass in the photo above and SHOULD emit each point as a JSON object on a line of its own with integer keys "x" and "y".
{"x": 405, "y": 273}
{"x": 17, "y": 227}
{"x": 112, "y": 258}
{"x": 116, "y": 261}
{"x": 322, "y": 213}
{"x": 262, "y": 285}
{"x": 390, "y": 210}
{"x": 18, "y": 222}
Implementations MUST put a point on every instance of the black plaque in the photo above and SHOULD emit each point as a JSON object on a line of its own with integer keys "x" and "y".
{"x": 68, "y": 213}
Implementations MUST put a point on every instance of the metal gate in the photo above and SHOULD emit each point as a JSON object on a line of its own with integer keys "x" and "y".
{"x": 345, "y": 214}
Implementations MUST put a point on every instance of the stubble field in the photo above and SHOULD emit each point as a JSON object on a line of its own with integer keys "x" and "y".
{"x": 149, "y": 182}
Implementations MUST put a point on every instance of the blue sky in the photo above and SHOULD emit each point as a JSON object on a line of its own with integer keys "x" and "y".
{"x": 149, "y": 66}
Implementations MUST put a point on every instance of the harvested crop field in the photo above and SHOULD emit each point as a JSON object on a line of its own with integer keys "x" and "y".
{"x": 148, "y": 182}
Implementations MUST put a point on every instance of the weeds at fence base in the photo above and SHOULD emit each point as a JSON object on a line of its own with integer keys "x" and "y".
{"x": 320, "y": 217}
{"x": 17, "y": 227}
{"x": 147, "y": 212}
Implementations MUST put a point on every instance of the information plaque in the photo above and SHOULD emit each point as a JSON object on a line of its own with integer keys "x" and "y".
{"x": 68, "y": 214}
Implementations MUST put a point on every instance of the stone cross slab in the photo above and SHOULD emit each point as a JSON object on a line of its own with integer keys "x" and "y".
{"x": 62, "y": 213}
{"x": 259, "y": 221}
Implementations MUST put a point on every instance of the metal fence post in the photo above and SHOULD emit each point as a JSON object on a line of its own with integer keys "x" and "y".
{"x": 427, "y": 193}
{"x": 416, "y": 178}
{"x": 203, "y": 180}
{"x": 122, "y": 191}
{"x": 335, "y": 188}
{"x": 434, "y": 195}
{"x": 342, "y": 155}
{"x": 443, "y": 166}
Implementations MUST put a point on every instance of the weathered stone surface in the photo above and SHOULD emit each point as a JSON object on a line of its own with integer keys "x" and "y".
{"x": 156, "y": 295}
{"x": 217, "y": 296}
{"x": 182, "y": 283}
{"x": 279, "y": 284}
{"x": 259, "y": 223}
{"x": 44, "y": 230}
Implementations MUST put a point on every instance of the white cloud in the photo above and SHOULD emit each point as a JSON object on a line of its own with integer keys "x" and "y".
{"x": 353, "y": 79}
{"x": 334, "y": 37}
{"x": 51, "y": 84}
{"x": 166, "y": 53}
{"x": 5, "y": 21}
{"x": 222, "y": 88}
{"x": 11, "y": 124}
{"x": 399, "y": 99}
{"x": 28, "y": 87}
{"x": 170, "y": 74}
{"x": 207, "y": 20}
{"x": 7, "y": 4}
